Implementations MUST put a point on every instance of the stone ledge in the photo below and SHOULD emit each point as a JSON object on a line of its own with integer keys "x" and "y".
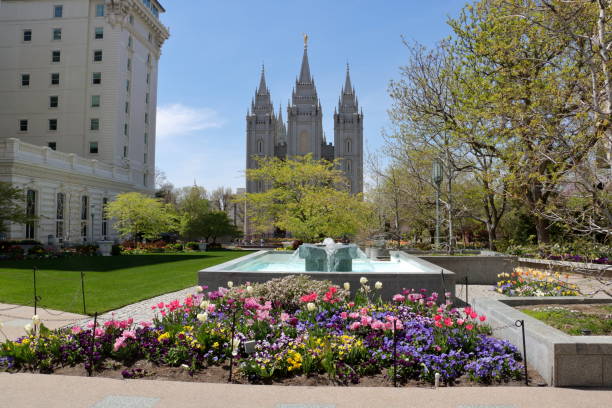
{"x": 562, "y": 360}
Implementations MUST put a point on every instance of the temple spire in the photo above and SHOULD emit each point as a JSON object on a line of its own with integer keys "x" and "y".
{"x": 305, "y": 70}
{"x": 348, "y": 88}
{"x": 263, "y": 88}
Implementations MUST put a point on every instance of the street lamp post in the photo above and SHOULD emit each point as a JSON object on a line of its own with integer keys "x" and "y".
{"x": 92, "y": 210}
{"x": 437, "y": 177}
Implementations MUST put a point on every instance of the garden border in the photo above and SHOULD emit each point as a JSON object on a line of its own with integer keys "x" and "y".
{"x": 563, "y": 360}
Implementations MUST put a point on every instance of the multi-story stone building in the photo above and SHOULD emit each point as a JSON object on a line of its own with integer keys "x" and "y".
{"x": 78, "y": 88}
{"x": 268, "y": 135}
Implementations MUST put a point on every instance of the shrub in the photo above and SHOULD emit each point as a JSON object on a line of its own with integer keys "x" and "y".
{"x": 116, "y": 250}
{"x": 192, "y": 245}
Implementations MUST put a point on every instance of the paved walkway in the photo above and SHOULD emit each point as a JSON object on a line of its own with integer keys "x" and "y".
{"x": 51, "y": 391}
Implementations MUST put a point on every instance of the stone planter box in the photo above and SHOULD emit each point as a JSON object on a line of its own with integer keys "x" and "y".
{"x": 567, "y": 266}
{"x": 105, "y": 247}
{"x": 563, "y": 360}
{"x": 480, "y": 270}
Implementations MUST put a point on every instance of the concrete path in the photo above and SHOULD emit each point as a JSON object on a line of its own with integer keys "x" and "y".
{"x": 15, "y": 317}
{"x": 51, "y": 391}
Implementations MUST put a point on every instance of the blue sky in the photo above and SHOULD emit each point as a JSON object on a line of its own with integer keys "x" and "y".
{"x": 210, "y": 68}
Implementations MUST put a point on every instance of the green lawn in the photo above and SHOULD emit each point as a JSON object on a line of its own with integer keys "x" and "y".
{"x": 110, "y": 282}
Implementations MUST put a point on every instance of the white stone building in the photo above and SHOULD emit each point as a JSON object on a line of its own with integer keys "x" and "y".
{"x": 78, "y": 88}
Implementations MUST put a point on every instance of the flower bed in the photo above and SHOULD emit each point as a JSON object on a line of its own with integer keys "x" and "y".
{"x": 532, "y": 282}
{"x": 308, "y": 329}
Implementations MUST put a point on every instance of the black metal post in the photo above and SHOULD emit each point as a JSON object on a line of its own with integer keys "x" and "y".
{"x": 93, "y": 345}
{"x": 394, "y": 353}
{"x": 83, "y": 291}
{"x": 443, "y": 285}
{"x": 35, "y": 296}
{"x": 521, "y": 324}
{"x": 231, "y": 368}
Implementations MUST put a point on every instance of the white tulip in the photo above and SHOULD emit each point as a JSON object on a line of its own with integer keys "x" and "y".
{"x": 249, "y": 290}
{"x": 1, "y": 325}
{"x": 28, "y": 328}
{"x": 204, "y": 304}
{"x": 184, "y": 366}
{"x": 200, "y": 289}
{"x": 235, "y": 345}
{"x": 36, "y": 320}
{"x": 378, "y": 285}
{"x": 363, "y": 280}
{"x": 230, "y": 284}
{"x": 347, "y": 286}
{"x": 202, "y": 317}
{"x": 311, "y": 306}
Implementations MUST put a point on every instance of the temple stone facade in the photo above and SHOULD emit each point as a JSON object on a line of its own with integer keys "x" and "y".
{"x": 269, "y": 136}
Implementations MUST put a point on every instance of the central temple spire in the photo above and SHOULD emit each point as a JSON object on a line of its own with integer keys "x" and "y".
{"x": 305, "y": 70}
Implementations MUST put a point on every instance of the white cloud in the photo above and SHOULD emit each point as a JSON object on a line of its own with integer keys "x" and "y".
{"x": 180, "y": 120}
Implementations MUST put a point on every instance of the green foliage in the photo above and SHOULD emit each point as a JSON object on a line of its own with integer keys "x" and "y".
{"x": 137, "y": 215}
{"x": 307, "y": 197}
{"x": 208, "y": 225}
{"x": 12, "y": 206}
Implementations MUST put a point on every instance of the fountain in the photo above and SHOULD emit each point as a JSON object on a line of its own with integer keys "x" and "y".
{"x": 336, "y": 262}
{"x": 330, "y": 256}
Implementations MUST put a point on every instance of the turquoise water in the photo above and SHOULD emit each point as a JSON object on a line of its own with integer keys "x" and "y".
{"x": 288, "y": 263}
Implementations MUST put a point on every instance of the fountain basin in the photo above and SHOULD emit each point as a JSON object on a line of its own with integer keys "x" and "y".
{"x": 403, "y": 271}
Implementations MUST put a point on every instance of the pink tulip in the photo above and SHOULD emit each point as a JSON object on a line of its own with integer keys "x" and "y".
{"x": 355, "y": 325}
{"x": 399, "y": 298}
{"x": 344, "y": 315}
{"x": 460, "y": 322}
{"x": 482, "y": 318}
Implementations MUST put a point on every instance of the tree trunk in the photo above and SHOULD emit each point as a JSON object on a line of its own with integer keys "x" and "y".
{"x": 541, "y": 230}
{"x": 492, "y": 232}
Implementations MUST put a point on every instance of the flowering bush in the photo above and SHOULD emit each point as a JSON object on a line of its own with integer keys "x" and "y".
{"x": 532, "y": 282}
{"x": 325, "y": 334}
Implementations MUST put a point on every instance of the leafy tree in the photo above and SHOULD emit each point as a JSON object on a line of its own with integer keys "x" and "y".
{"x": 136, "y": 215}
{"x": 307, "y": 197}
{"x": 12, "y": 206}
{"x": 208, "y": 225}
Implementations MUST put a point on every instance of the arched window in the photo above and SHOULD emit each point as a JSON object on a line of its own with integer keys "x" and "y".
{"x": 349, "y": 165}
{"x": 348, "y": 145}
{"x": 31, "y": 209}
{"x": 260, "y": 146}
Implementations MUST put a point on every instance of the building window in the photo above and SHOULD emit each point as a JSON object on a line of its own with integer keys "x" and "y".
{"x": 84, "y": 230}
{"x": 348, "y": 146}
{"x": 52, "y": 145}
{"x": 144, "y": 179}
{"x": 146, "y": 117}
{"x": 144, "y": 159}
{"x": 94, "y": 124}
{"x": 95, "y": 101}
{"x": 96, "y": 78}
{"x": 147, "y": 98}
{"x": 127, "y": 107}
{"x": 131, "y": 19}
{"x": 93, "y": 147}
{"x": 57, "y": 34}
{"x": 53, "y": 101}
{"x": 146, "y": 138}
{"x": 30, "y": 212}
{"x": 23, "y": 125}
{"x": 52, "y": 125}
{"x": 25, "y": 79}
{"x": 130, "y": 42}
{"x": 99, "y": 10}
{"x": 104, "y": 218}
{"x": 59, "y": 214}
{"x": 150, "y": 37}
{"x": 99, "y": 33}
{"x": 55, "y": 56}
{"x": 58, "y": 11}
{"x": 125, "y": 129}
{"x": 349, "y": 166}
{"x": 97, "y": 56}
{"x": 259, "y": 146}
{"x": 125, "y": 152}
{"x": 148, "y": 77}
{"x": 148, "y": 58}
{"x": 84, "y": 207}
{"x": 127, "y": 85}
{"x": 55, "y": 78}
{"x": 129, "y": 64}
{"x": 27, "y": 35}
